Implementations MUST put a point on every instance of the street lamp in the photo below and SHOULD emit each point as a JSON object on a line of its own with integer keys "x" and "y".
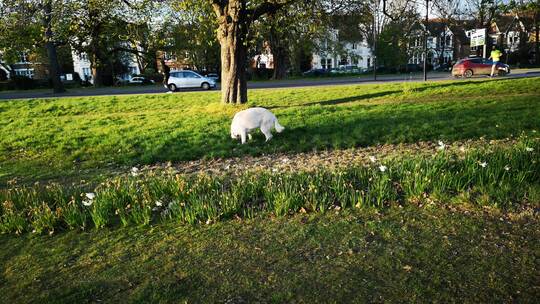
{"x": 425, "y": 41}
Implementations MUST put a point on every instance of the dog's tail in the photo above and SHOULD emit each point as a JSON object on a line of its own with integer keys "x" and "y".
{"x": 279, "y": 128}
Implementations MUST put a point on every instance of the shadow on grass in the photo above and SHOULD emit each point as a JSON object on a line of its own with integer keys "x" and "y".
{"x": 350, "y": 99}
{"x": 368, "y": 126}
{"x": 333, "y": 102}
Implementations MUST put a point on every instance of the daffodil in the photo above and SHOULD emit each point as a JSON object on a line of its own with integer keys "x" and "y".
{"x": 134, "y": 171}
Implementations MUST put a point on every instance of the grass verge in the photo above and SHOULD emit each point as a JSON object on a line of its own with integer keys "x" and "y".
{"x": 503, "y": 177}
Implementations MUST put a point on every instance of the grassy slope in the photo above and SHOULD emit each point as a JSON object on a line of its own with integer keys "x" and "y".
{"x": 411, "y": 254}
{"x": 58, "y": 137}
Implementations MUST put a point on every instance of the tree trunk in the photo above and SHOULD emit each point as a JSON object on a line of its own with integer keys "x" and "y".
{"x": 233, "y": 70}
{"x": 280, "y": 62}
{"x": 232, "y": 34}
{"x": 54, "y": 67}
{"x": 96, "y": 66}
{"x": 280, "y": 54}
{"x": 166, "y": 72}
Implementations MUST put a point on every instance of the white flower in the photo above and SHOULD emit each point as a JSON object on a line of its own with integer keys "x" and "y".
{"x": 87, "y": 202}
{"x": 383, "y": 168}
{"x": 483, "y": 164}
{"x": 372, "y": 159}
{"x": 441, "y": 145}
{"x": 134, "y": 171}
{"x": 90, "y": 195}
{"x": 528, "y": 149}
{"x": 159, "y": 203}
{"x": 507, "y": 168}
{"x": 462, "y": 149}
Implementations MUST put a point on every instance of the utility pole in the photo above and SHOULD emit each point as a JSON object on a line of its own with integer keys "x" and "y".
{"x": 425, "y": 41}
{"x": 374, "y": 55}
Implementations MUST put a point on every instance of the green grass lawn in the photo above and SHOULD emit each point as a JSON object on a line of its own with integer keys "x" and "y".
{"x": 449, "y": 226}
{"x": 427, "y": 254}
{"x": 57, "y": 138}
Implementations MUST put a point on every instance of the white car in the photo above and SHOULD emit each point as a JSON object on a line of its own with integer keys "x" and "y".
{"x": 189, "y": 79}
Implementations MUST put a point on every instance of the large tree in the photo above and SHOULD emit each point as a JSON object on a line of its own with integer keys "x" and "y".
{"x": 290, "y": 33}
{"x": 29, "y": 23}
{"x": 234, "y": 19}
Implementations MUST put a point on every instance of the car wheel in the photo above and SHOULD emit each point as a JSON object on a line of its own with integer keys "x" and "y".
{"x": 501, "y": 73}
{"x": 172, "y": 87}
{"x": 205, "y": 86}
{"x": 468, "y": 74}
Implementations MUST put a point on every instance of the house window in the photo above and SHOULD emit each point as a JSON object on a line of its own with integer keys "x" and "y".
{"x": 329, "y": 63}
{"x": 25, "y": 72}
{"x": 23, "y": 57}
{"x": 354, "y": 46}
{"x": 83, "y": 57}
{"x": 343, "y": 61}
{"x": 86, "y": 72}
{"x": 323, "y": 63}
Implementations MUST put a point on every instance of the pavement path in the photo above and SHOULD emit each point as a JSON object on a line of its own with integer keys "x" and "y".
{"x": 155, "y": 89}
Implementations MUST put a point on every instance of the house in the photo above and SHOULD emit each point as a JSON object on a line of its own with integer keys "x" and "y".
{"x": 515, "y": 35}
{"x": 83, "y": 67}
{"x": 264, "y": 60}
{"x": 333, "y": 53}
{"x": 26, "y": 65}
{"x": 446, "y": 42}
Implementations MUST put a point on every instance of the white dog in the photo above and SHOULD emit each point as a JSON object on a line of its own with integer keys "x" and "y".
{"x": 252, "y": 118}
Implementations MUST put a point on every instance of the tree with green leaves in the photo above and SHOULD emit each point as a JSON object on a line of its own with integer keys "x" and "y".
{"x": 26, "y": 24}
{"x": 234, "y": 19}
{"x": 290, "y": 34}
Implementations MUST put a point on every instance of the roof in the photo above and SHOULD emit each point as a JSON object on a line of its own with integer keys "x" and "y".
{"x": 508, "y": 22}
{"x": 436, "y": 27}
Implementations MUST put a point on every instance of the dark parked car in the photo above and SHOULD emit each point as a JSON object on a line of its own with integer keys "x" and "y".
{"x": 478, "y": 66}
{"x": 316, "y": 72}
{"x": 445, "y": 67}
{"x": 410, "y": 67}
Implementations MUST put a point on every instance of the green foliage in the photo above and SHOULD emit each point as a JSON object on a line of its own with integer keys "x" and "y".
{"x": 501, "y": 177}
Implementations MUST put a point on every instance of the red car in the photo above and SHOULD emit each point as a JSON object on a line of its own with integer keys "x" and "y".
{"x": 478, "y": 66}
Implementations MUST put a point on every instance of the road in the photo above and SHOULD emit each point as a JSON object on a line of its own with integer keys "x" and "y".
{"x": 365, "y": 79}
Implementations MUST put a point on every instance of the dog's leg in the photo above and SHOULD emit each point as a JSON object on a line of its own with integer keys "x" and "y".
{"x": 243, "y": 136}
{"x": 266, "y": 132}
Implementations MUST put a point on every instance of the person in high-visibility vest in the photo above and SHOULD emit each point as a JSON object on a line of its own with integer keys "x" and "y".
{"x": 496, "y": 57}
